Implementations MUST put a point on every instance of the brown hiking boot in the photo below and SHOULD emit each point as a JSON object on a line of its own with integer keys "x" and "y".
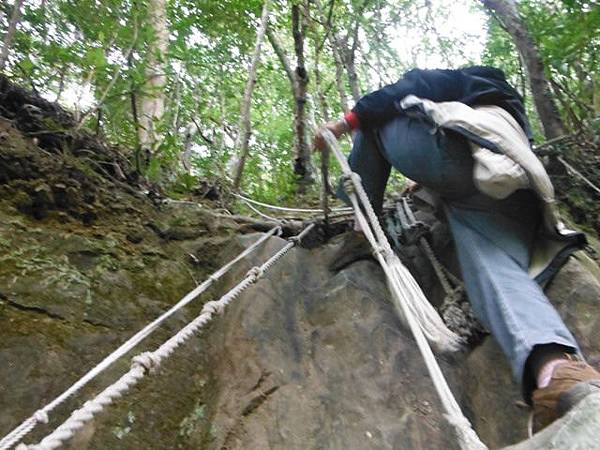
{"x": 570, "y": 383}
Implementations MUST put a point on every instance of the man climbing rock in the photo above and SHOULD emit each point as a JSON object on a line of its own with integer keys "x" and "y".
{"x": 464, "y": 134}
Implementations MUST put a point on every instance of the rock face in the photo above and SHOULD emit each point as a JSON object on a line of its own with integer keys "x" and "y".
{"x": 310, "y": 359}
{"x": 305, "y": 359}
{"x": 70, "y": 294}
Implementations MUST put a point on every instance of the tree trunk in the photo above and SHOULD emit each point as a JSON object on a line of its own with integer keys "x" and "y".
{"x": 283, "y": 58}
{"x": 244, "y": 126}
{"x": 10, "y": 32}
{"x": 379, "y": 30}
{"x": 186, "y": 155}
{"x": 540, "y": 87}
{"x": 319, "y": 87}
{"x": 302, "y": 164}
{"x": 152, "y": 103}
{"x": 350, "y": 55}
{"x": 337, "y": 56}
{"x": 298, "y": 80}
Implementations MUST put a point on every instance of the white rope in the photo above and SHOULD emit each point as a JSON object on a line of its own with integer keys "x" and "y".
{"x": 408, "y": 298}
{"x": 42, "y": 414}
{"x": 281, "y": 208}
{"x": 260, "y": 213}
{"x": 149, "y": 362}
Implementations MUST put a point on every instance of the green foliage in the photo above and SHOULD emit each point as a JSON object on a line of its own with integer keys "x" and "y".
{"x": 94, "y": 57}
{"x": 567, "y": 33}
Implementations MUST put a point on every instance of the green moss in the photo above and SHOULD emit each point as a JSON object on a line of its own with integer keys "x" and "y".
{"x": 121, "y": 431}
{"x": 189, "y": 424}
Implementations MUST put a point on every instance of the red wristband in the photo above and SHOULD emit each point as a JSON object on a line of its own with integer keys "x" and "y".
{"x": 352, "y": 120}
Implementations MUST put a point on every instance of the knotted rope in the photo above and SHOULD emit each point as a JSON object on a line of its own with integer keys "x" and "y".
{"x": 41, "y": 416}
{"x": 409, "y": 300}
{"x": 149, "y": 362}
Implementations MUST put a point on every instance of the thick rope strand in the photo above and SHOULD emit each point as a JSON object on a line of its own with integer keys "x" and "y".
{"x": 41, "y": 416}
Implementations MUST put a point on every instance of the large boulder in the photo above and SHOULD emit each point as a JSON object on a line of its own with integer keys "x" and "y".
{"x": 306, "y": 358}
{"x": 314, "y": 359}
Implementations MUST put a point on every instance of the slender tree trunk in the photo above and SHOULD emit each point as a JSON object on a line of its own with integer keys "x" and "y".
{"x": 186, "y": 156}
{"x": 10, "y": 32}
{"x": 339, "y": 79}
{"x": 175, "y": 101}
{"x": 298, "y": 80}
{"x": 302, "y": 164}
{"x": 352, "y": 76}
{"x": 283, "y": 58}
{"x": 540, "y": 87}
{"x": 135, "y": 116}
{"x": 61, "y": 83}
{"x": 337, "y": 56}
{"x": 350, "y": 56}
{"x": 379, "y": 44}
{"x": 319, "y": 86}
{"x": 244, "y": 126}
{"x": 152, "y": 103}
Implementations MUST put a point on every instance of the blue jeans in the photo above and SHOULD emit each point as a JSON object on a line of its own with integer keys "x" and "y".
{"x": 493, "y": 238}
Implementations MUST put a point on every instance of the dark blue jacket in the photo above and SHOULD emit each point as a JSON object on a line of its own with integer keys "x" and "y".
{"x": 473, "y": 86}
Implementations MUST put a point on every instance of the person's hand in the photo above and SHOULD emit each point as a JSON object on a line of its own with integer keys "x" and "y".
{"x": 338, "y": 128}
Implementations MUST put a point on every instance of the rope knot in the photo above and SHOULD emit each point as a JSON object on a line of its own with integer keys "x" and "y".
{"x": 147, "y": 360}
{"x": 213, "y": 307}
{"x": 41, "y": 416}
{"x": 256, "y": 272}
{"x": 349, "y": 182}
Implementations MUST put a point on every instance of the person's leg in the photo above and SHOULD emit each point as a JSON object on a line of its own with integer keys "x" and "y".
{"x": 440, "y": 161}
{"x": 367, "y": 161}
{"x": 494, "y": 252}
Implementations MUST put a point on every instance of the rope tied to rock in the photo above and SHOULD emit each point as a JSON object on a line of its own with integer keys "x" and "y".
{"x": 41, "y": 416}
{"x": 409, "y": 300}
{"x": 149, "y": 362}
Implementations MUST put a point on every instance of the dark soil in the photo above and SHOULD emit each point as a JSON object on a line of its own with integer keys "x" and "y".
{"x": 49, "y": 168}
